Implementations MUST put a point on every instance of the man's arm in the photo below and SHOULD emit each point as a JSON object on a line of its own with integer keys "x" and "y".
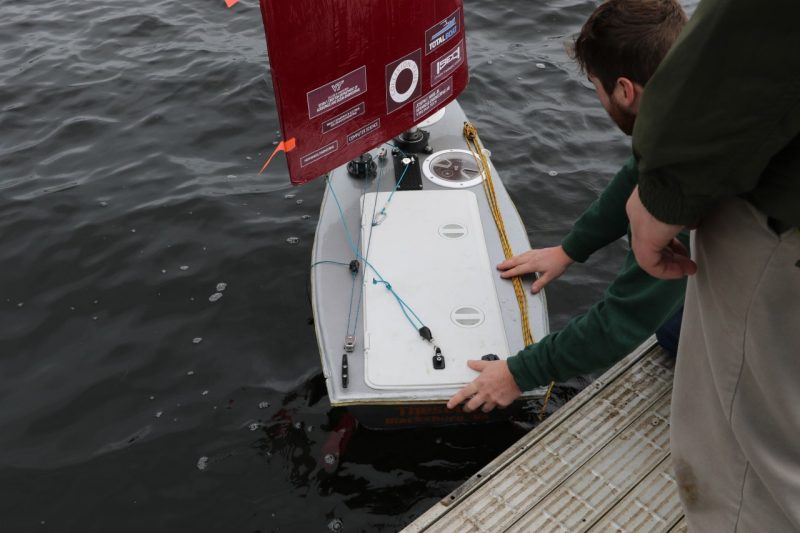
{"x": 494, "y": 387}
{"x": 601, "y": 224}
{"x": 653, "y": 243}
{"x": 633, "y": 307}
{"x": 550, "y": 263}
{"x": 604, "y": 221}
{"x": 723, "y": 102}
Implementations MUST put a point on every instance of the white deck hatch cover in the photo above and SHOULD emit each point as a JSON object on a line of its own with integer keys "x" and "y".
{"x": 447, "y": 281}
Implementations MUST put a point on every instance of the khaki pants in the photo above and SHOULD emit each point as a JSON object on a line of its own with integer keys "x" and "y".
{"x": 736, "y": 404}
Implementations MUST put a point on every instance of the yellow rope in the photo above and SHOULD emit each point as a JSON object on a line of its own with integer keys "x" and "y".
{"x": 546, "y": 400}
{"x": 475, "y": 146}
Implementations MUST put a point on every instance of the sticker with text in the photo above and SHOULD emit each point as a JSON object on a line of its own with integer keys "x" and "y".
{"x": 431, "y": 101}
{"x": 316, "y": 155}
{"x": 448, "y": 63}
{"x": 364, "y": 130}
{"x": 347, "y": 116}
{"x": 403, "y": 81}
{"x": 337, "y": 92}
{"x": 442, "y": 31}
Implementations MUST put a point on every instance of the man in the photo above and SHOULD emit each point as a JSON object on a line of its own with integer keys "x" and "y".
{"x": 619, "y": 48}
{"x": 718, "y": 143}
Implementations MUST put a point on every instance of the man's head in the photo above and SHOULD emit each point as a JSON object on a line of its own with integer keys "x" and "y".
{"x": 621, "y": 45}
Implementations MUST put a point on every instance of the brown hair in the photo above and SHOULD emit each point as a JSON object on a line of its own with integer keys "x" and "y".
{"x": 627, "y": 38}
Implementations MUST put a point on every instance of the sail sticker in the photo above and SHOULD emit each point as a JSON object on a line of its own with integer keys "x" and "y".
{"x": 364, "y": 130}
{"x": 347, "y": 116}
{"x": 337, "y": 92}
{"x": 448, "y": 63}
{"x": 316, "y": 155}
{"x": 369, "y": 52}
{"x": 442, "y": 32}
{"x": 431, "y": 101}
{"x": 403, "y": 80}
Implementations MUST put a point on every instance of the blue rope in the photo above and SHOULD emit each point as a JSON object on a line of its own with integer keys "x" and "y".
{"x": 374, "y": 208}
{"x": 397, "y": 186}
{"x": 353, "y": 284}
{"x": 395, "y": 147}
{"x": 369, "y": 238}
{"x": 403, "y": 305}
{"x": 349, "y": 241}
{"x": 329, "y": 262}
{"x": 344, "y": 221}
{"x": 402, "y": 175}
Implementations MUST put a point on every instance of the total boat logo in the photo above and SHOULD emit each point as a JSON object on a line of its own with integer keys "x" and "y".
{"x": 442, "y": 32}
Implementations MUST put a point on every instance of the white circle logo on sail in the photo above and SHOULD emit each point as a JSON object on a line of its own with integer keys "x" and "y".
{"x": 407, "y": 65}
{"x": 403, "y": 80}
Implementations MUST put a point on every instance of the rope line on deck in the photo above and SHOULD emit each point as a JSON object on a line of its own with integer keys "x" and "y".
{"x": 476, "y": 147}
{"x": 357, "y": 253}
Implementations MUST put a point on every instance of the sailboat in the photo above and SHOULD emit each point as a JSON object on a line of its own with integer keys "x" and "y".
{"x": 414, "y": 217}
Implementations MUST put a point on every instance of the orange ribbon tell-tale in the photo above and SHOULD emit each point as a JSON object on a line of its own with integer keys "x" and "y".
{"x": 283, "y": 146}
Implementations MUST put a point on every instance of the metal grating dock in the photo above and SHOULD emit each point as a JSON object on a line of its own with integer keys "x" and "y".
{"x": 600, "y": 463}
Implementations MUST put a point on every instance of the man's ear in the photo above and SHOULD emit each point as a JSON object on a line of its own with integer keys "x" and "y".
{"x": 628, "y": 93}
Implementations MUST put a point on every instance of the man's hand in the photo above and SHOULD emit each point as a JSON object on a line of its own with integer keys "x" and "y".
{"x": 495, "y": 387}
{"x": 549, "y": 262}
{"x": 653, "y": 242}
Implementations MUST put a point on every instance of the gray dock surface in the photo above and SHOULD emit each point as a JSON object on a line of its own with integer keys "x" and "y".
{"x": 600, "y": 463}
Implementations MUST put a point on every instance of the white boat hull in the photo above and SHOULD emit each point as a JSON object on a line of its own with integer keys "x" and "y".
{"x": 437, "y": 248}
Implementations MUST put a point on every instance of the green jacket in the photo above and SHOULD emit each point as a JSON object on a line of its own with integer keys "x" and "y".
{"x": 632, "y": 308}
{"x": 721, "y": 115}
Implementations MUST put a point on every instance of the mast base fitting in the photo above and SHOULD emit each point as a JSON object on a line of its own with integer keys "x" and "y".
{"x": 414, "y": 140}
{"x": 362, "y": 167}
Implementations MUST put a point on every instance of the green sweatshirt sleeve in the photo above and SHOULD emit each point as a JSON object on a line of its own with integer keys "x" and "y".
{"x": 633, "y": 307}
{"x": 605, "y": 220}
{"x": 723, "y": 102}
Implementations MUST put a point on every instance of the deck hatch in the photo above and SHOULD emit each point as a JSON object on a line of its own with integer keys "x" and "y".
{"x": 448, "y": 282}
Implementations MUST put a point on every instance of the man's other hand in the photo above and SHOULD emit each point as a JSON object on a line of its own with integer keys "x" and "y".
{"x": 653, "y": 242}
{"x": 549, "y": 262}
{"x": 495, "y": 387}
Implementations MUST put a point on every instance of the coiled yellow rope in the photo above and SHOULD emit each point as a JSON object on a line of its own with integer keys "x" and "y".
{"x": 475, "y": 146}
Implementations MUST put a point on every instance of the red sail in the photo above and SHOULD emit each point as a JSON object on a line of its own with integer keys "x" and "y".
{"x": 351, "y": 74}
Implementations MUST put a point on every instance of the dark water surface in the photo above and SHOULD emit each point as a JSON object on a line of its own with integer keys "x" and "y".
{"x": 131, "y": 136}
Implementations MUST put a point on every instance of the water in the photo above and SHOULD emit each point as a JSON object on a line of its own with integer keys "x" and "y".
{"x": 157, "y": 367}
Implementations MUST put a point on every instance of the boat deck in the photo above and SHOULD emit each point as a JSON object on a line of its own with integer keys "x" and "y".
{"x": 389, "y": 364}
{"x": 600, "y": 463}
